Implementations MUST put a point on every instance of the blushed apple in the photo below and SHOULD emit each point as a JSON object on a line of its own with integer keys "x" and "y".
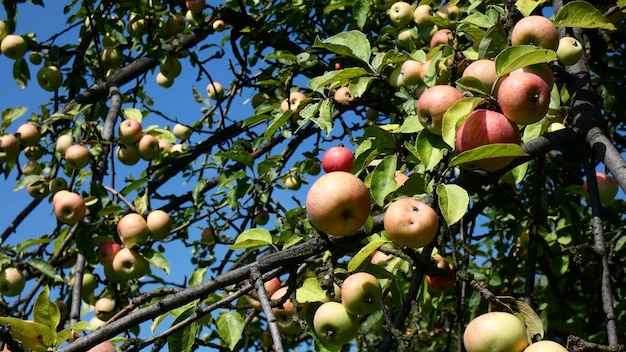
{"x": 410, "y": 72}
{"x": 607, "y": 187}
{"x": 343, "y": 95}
{"x": 106, "y": 252}
{"x": 483, "y": 70}
{"x": 293, "y": 102}
{"x": 441, "y": 37}
{"x": 77, "y": 156}
{"x": 338, "y": 158}
{"x": 411, "y": 223}
{"x": 105, "y": 346}
{"x": 361, "y": 293}
{"x": 128, "y": 154}
{"x": 524, "y": 97}
{"x": 433, "y": 104}
{"x": 129, "y": 131}
{"x": 64, "y": 141}
{"x": 9, "y": 147}
{"x": 545, "y": 346}
{"x": 69, "y": 207}
{"x": 28, "y": 134}
{"x": 535, "y": 30}
{"x": 159, "y": 224}
{"x": 495, "y": 332}
{"x": 149, "y": 147}
{"x": 133, "y": 230}
{"x": 163, "y": 80}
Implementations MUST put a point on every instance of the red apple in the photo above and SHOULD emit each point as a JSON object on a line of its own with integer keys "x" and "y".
{"x": 433, "y": 104}
{"x": 338, "y": 158}
{"x": 524, "y": 97}
{"x": 441, "y": 37}
{"x": 411, "y": 223}
{"x": 107, "y": 251}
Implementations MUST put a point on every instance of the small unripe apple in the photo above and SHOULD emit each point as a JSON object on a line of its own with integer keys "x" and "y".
{"x": 64, "y": 141}
{"x": 129, "y": 131}
{"x": 422, "y": 16}
{"x": 535, "y": 30}
{"x": 104, "y": 308}
{"x": 293, "y": 102}
{"x": 334, "y": 325}
{"x": 361, "y": 293}
{"x": 159, "y": 224}
{"x": 163, "y": 80}
{"x": 57, "y": 184}
{"x": 170, "y": 68}
{"x": 411, "y": 223}
{"x": 219, "y": 25}
{"x": 175, "y": 23}
{"x": 495, "y": 332}
{"x": 570, "y": 50}
{"x": 338, "y": 158}
{"x": 111, "y": 57}
{"x": 343, "y": 95}
{"x": 207, "y": 236}
{"x": 49, "y": 78}
{"x": 215, "y": 90}
{"x": 133, "y": 230}
{"x": 9, "y": 147}
{"x": 259, "y": 98}
{"x": 28, "y": 134}
{"x": 292, "y": 180}
{"x": 13, "y": 46}
{"x": 69, "y": 207}
{"x": 181, "y": 131}
{"x": 149, "y": 147}
{"x": 261, "y": 217}
{"x": 128, "y": 154}
{"x": 30, "y": 168}
{"x": 38, "y": 190}
{"x": 452, "y": 13}
{"x": 401, "y": 14}
{"x": 77, "y": 156}
{"x": 12, "y": 281}
{"x": 607, "y": 187}
{"x": 34, "y": 152}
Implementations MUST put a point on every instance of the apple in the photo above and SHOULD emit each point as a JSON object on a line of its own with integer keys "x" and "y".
{"x": 77, "y": 156}
{"x": 401, "y": 14}
{"x": 104, "y": 308}
{"x": 165, "y": 147}
{"x": 484, "y": 127}
{"x": 395, "y": 78}
{"x": 133, "y": 230}
{"x": 129, "y": 131}
{"x": 410, "y": 223}
{"x": 111, "y": 57}
{"x": 64, "y": 141}
{"x": 63, "y": 310}
{"x": 28, "y": 134}
{"x": 175, "y": 23}
{"x": 271, "y": 287}
{"x": 535, "y": 30}
{"x": 137, "y": 26}
{"x": 410, "y": 72}
{"x": 261, "y": 217}
{"x": 88, "y": 286}
{"x": 441, "y": 37}
{"x": 31, "y": 167}
{"x": 215, "y": 90}
{"x": 545, "y": 346}
{"x": 314, "y": 168}
{"x": 284, "y": 314}
{"x": 433, "y": 104}
{"x": 524, "y": 97}
{"x": 361, "y": 293}
{"x": 371, "y": 115}
{"x": 13, "y": 46}
{"x": 38, "y": 190}
{"x": 440, "y": 283}
{"x": 292, "y": 181}
{"x": 338, "y": 203}
{"x": 338, "y": 158}
{"x": 9, "y": 147}
{"x": 128, "y": 154}
{"x": 12, "y": 281}
{"x": 34, "y": 152}
{"x": 159, "y": 224}
{"x": 219, "y": 25}
{"x": 149, "y": 147}
{"x": 170, "y": 68}
{"x": 423, "y": 16}
{"x": 177, "y": 148}
{"x": 57, "y": 184}
{"x": 406, "y": 35}
{"x": 106, "y": 252}
{"x": 293, "y": 102}
{"x": 129, "y": 264}
{"x": 181, "y": 131}
{"x": 95, "y": 323}
{"x": 195, "y": 6}
{"x": 105, "y": 346}
{"x": 452, "y": 13}
{"x": 194, "y": 18}
{"x": 607, "y": 187}
{"x": 343, "y": 95}
{"x": 569, "y": 51}
{"x": 259, "y": 98}
{"x": 495, "y": 332}
{"x": 207, "y": 236}
{"x": 483, "y": 70}
{"x": 333, "y": 324}
{"x": 163, "y": 80}
{"x": 69, "y": 207}
{"x": 49, "y": 78}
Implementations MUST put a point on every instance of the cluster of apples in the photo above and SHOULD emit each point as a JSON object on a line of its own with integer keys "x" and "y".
{"x": 135, "y": 145}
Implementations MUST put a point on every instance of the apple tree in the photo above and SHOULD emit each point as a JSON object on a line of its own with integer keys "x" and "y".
{"x": 342, "y": 175}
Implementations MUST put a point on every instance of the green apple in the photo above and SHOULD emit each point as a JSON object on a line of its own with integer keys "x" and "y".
{"x": 292, "y": 180}
{"x": 34, "y": 58}
{"x": 31, "y": 167}
{"x": 49, "y": 78}
{"x": 219, "y": 25}
{"x": 13, "y": 46}
{"x": 411, "y": 223}
{"x": 261, "y": 217}
{"x": 171, "y": 67}
{"x": 361, "y": 293}
{"x": 104, "y": 308}
{"x": 38, "y": 189}
{"x": 111, "y": 57}
{"x": 495, "y": 332}
{"x": 569, "y": 51}
{"x": 423, "y": 16}
{"x": 175, "y": 23}
{"x": 163, "y": 80}
{"x": 334, "y": 325}
{"x": 133, "y": 230}
{"x": 181, "y": 131}
{"x": 34, "y": 152}
{"x": 401, "y": 14}
{"x": 64, "y": 141}
{"x": 215, "y": 90}
{"x": 3, "y": 30}
{"x": 12, "y": 281}
{"x": 128, "y": 154}
{"x": 259, "y": 99}
{"x": 195, "y": 6}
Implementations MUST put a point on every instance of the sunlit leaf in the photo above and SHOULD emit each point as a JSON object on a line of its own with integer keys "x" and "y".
{"x": 310, "y": 291}
{"x": 183, "y": 340}
{"x": 453, "y": 202}
{"x": 526, "y": 7}
{"x": 46, "y": 312}
{"x": 33, "y": 336}
{"x": 229, "y": 327}
{"x": 157, "y": 259}
{"x": 514, "y": 57}
{"x": 364, "y": 254}
{"x": 456, "y": 113}
{"x": 330, "y": 77}
{"x": 383, "y": 181}
{"x": 253, "y": 238}
{"x": 583, "y": 15}
{"x": 350, "y": 43}
{"x": 531, "y": 320}
{"x": 495, "y": 150}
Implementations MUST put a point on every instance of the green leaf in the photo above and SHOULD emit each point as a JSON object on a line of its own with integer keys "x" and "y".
{"x": 11, "y": 114}
{"x": 197, "y": 277}
{"x": 229, "y": 327}
{"x": 33, "y": 336}
{"x": 45, "y": 311}
{"x": 328, "y": 78}
{"x": 364, "y": 254}
{"x": 493, "y": 42}
{"x": 453, "y": 202}
{"x": 361, "y": 12}
{"x": 27, "y": 180}
{"x": 514, "y": 57}
{"x": 133, "y": 114}
{"x": 252, "y": 238}
{"x": 157, "y": 259}
{"x": 310, "y": 291}
{"x": 531, "y": 320}
{"x": 21, "y": 73}
{"x": 30, "y": 242}
{"x": 583, "y": 15}
{"x": 183, "y": 340}
{"x": 45, "y": 268}
{"x": 526, "y": 7}
{"x": 495, "y": 150}
{"x": 455, "y": 114}
{"x": 67, "y": 333}
{"x": 383, "y": 180}
{"x": 429, "y": 148}
{"x": 472, "y": 84}
{"x": 411, "y": 124}
{"x": 351, "y": 43}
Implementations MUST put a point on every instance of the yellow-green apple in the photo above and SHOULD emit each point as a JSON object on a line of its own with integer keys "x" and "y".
{"x": 401, "y": 14}
{"x": 314, "y": 168}
{"x": 181, "y": 131}
{"x": 137, "y": 26}
{"x": 69, "y": 207}
{"x": 284, "y": 314}
{"x": 433, "y": 104}
{"x": 12, "y": 281}
{"x": 9, "y": 147}
{"x": 57, "y": 184}
{"x": 128, "y": 154}
{"x": 149, "y": 147}
{"x": 77, "y": 156}
{"x": 30, "y": 168}
{"x": 441, "y": 37}
{"x": 129, "y": 264}
{"x": 64, "y": 141}
{"x": 410, "y": 72}
{"x": 338, "y": 158}
{"x": 215, "y": 90}
{"x": 163, "y": 80}
{"x": 395, "y": 78}
{"x": 133, "y": 230}
{"x": 483, "y": 70}
{"x": 129, "y": 131}
{"x": 106, "y": 252}
{"x": 570, "y": 50}
{"x": 28, "y": 134}
{"x": 159, "y": 224}
{"x": 219, "y": 25}
{"x": 194, "y": 18}
{"x": 423, "y": 16}
{"x": 207, "y": 236}
{"x": 495, "y": 332}
{"x": 361, "y": 293}
{"x": 49, "y": 78}
{"x": 338, "y": 203}
{"x": 452, "y": 13}
{"x": 63, "y": 310}
{"x": 105, "y": 346}
{"x": 165, "y": 147}
{"x": 104, "y": 308}
{"x": 410, "y": 222}
{"x": 293, "y": 102}
{"x": 195, "y": 6}
{"x": 333, "y": 324}
{"x": 95, "y": 323}
{"x": 261, "y": 217}
{"x": 545, "y": 346}
{"x": 484, "y": 127}
{"x": 34, "y": 152}
{"x": 406, "y": 35}
{"x": 524, "y": 97}
{"x": 13, "y": 46}
{"x": 171, "y": 67}
{"x": 88, "y": 286}
{"x": 38, "y": 189}
{"x": 259, "y": 98}
{"x": 343, "y": 95}
{"x": 542, "y": 70}
{"x": 175, "y": 23}
{"x": 111, "y": 57}
{"x": 535, "y": 30}
{"x": 607, "y": 187}
{"x": 292, "y": 180}
{"x": 177, "y": 148}
{"x": 438, "y": 283}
